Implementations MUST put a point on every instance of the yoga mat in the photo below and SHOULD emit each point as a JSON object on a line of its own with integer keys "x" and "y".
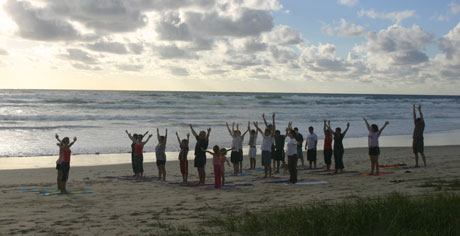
{"x": 279, "y": 181}
{"x": 380, "y": 173}
{"x": 239, "y": 174}
{"x": 392, "y": 165}
{"x": 310, "y": 183}
{"x": 233, "y": 186}
{"x": 53, "y": 191}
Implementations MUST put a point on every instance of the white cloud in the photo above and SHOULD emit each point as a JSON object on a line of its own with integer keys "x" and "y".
{"x": 282, "y": 34}
{"x": 346, "y": 29}
{"x": 397, "y": 45}
{"x": 130, "y": 67}
{"x": 174, "y": 52}
{"x": 110, "y": 47}
{"x": 454, "y": 7}
{"x": 75, "y": 54}
{"x": 349, "y": 3}
{"x": 396, "y": 16}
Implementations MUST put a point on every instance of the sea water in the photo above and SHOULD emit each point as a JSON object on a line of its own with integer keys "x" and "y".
{"x": 29, "y": 119}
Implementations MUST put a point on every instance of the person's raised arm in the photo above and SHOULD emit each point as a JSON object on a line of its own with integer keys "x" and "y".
{"x": 273, "y": 120}
{"x": 158, "y": 135}
{"x": 166, "y": 139}
{"x": 247, "y": 130}
{"x": 193, "y": 131}
{"x": 257, "y": 128}
{"x": 346, "y": 130}
{"x": 325, "y": 128}
{"x": 413, "y": 112}
{"x": 367, "y": 124}
{"x": 207, "y": 135}
{"x": 383, "y": 127}
{"x": 148, "y": 138}
{"x": 329, "y": 127}
{"x": 178, "y": 139}
{"x": 188, "y": 138}
{"x": 129, "y": 135}
{"x": 57, "y": 138}
{"x": 420, "y": 111}
{"x": 229, "y": 130}
{"x": 73, "y": 142}
{"x": 145, "y": 134}
{"x": 265, "y": 121}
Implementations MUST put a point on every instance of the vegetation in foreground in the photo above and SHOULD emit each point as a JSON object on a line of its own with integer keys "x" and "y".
{"x": 395, "y": 214}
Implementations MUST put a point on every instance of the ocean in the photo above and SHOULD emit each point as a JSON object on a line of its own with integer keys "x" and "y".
{"x": 30, "y": 118}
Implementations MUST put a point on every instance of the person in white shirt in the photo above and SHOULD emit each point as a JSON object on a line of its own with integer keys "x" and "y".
{"x": 310, "y": 146}
{"x": 292, "y": 155}
{"x": 236, "y": 156}
{"x": 266, "y": 147}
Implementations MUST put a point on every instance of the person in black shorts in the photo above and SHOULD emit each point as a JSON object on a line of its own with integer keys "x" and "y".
{"x": 202, "y": 141}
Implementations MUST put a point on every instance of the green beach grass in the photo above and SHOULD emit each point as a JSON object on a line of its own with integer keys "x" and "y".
{"x": 395, "y": 214}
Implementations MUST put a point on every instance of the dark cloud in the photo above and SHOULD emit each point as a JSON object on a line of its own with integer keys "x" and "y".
{"x": 170, "y": 27}
{"x": 254, "y": 45}
{"x": 40, "y": 24}
{"x": 136, "y": 48}
{"x": 282, "y": 55}
{"x": 248, "y": 23}
{"x": 110, "y": 47}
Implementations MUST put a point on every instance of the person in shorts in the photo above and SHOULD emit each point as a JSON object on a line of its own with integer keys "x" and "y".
{"x": 373, "y": 143}
{"x": 310, "y": 146}
{"x": 202, "y": 141}
{"x": 160, "y": 154}
{"x": 299, "y": 140}
{"x": 252, "y": 147}
{"x": 267, "y": 142}
{"x": 63, "y": 163}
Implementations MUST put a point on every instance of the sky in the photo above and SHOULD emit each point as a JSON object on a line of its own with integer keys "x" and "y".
{"x": 306, "y": 46}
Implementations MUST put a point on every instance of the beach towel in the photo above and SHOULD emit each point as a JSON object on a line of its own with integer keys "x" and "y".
{"x": 279, "y": 181}
{"x": 239, "y": 174}
{"x": 233, "y": 186}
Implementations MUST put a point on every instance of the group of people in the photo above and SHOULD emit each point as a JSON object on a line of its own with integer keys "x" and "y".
{"x": 272, "y": 156}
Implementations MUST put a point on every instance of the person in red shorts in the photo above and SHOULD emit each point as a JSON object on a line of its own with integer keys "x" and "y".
{"x": 183, "y": 162}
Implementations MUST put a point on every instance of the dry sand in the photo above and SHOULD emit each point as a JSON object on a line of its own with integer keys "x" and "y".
{"x": 128, "y": 207}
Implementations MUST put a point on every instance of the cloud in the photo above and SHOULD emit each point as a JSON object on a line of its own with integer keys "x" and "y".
{"x": 247, "y": 22}
{"x": 74, "y": 54}
{"x": 130, "y": 67}
{"x": 172, "y": 28}
{"x": 105, "y": 15}
{"x": 136, "y": 48}
{"x": 179, "y": 71}
{"x": 346, "y": 29}
{"x": 282, "y": 34}
{"x": 86, "y": 67}
{"x": 322, "y": 59}
{"x": 283, "y": 54}
{"x": 110, "y": 47}
{"x": 3, "y": 52}
{"x": 349, "y": 3}
{"x": 396, "y": 16}
{"x": 398, "y": 45}
{"x": 454, "y": 7}
{"x": 250, "y": 45}
{"x": 450, "y": 43}
{"x": 174, "y": 52}
{"x": 39, "y": 23}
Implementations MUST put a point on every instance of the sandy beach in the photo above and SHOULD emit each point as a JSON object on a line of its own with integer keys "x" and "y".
{"x": 109, "y": 203}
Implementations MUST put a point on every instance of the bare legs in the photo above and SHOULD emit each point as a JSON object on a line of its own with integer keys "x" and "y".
{"x": 202, "y": 175}
{"x": 374, "y": 165}
{"x": 268, "y": 171}
{"x": 423, "y": 159}
{"x": 161, "y": 172}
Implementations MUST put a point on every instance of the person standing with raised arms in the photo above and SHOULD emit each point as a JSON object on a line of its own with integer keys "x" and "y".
{"x": 202, "y": 142}
{"x": 338, "y": 146}
{"x": 373, "y": 143}
{"x": 417, "y": 137}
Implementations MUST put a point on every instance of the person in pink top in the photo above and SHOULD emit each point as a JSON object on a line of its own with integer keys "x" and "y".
{"x": 373, "y": 142}
{"x": 217, "y": 163}
{"x": 327, "y": 151}
{"x": 63, "y": 163}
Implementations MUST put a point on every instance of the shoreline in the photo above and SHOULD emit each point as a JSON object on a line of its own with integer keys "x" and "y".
{"x": 447, "y": 138}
